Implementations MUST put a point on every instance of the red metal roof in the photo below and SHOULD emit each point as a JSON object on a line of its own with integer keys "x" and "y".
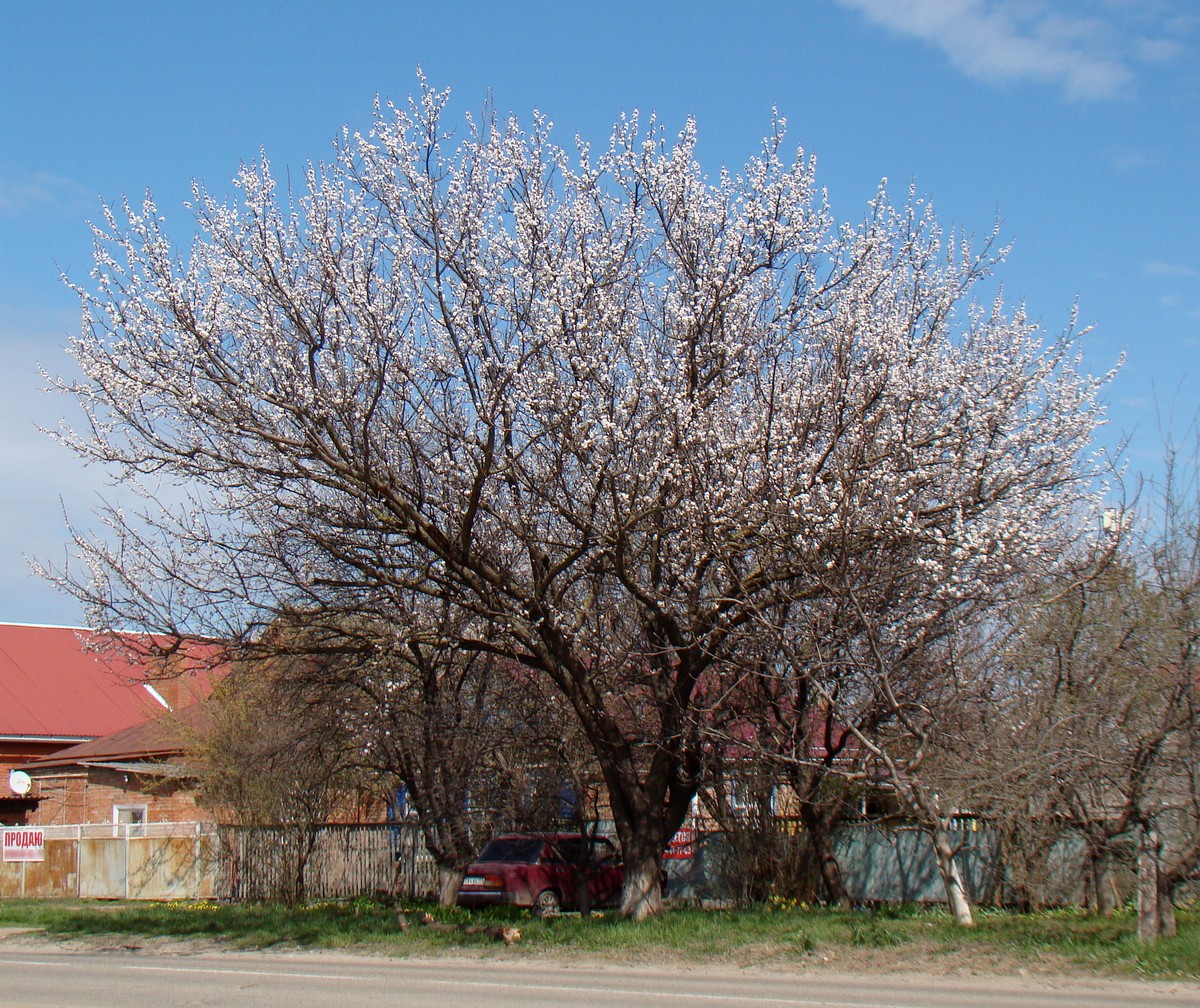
{"x": 163, "y": 737}
{"x": 62, "y": 682}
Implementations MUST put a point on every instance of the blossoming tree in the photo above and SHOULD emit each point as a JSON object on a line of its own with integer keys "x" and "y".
{"x": 608, "y": 409}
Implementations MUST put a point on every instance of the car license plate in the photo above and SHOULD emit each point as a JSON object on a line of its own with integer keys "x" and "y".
{"x": 473, "y": 880}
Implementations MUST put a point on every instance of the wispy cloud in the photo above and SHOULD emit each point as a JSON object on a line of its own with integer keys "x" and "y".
{"x": 1089, "y": 50}
{"x": 1158, "y": 50}
{"x": 1157, "y": 268}
{"x": 33, "y": 192}
{"x": 1128, "y": 161}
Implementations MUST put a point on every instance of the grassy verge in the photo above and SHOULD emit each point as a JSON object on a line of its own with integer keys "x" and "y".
{"x": 894, "y": 938}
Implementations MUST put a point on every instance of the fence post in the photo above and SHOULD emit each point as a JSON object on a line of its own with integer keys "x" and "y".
{"x": 413, "y": 880}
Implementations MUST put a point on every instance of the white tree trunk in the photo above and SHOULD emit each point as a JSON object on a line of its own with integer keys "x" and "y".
{"x": 1150, "y": 923}
{"x": 956, "y": 890}
{"x": 449, "y": 880}
{"x": 1106, "y": 889}
{"x": 1168, "y": 927}
{"x": 641, "y": 895}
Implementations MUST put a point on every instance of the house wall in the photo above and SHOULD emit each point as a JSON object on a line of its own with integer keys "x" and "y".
{"x": 87, "y": 795}
{"x": 14, "y": 752}
{"x": 15, "y": 810}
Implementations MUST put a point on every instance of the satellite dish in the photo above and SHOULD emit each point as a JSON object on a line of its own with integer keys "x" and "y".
{"x": 20, "y": 781}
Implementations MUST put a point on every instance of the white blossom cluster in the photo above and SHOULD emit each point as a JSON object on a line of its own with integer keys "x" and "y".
{"x": 609, "y": 406}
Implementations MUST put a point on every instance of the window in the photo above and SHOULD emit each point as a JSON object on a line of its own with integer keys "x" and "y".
{"x": 603, "y": 852}
{"x": 522, "y": 850}
{"x": 741, "y": 796}
{"x": 129, "y": 820}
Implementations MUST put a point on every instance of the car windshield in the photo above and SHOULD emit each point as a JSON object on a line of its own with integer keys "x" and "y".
{"x": 571, "y": 850}
{"x": 523, "y": 850}
{"x": 577, "y": 850}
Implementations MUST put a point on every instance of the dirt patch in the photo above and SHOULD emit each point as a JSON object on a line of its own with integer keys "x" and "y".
{"x": 117, "y": 943}
{"x": 14, "y": 932}
{"x": 927, "y": 959}
{"x": 932, "y": 960}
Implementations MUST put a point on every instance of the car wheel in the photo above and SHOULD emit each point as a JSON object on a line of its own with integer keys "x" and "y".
{"x": 547, "y": 904}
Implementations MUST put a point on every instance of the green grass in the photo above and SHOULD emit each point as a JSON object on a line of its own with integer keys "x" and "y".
{"x": 1105, "y": 944}
{"x": 241, "y": 925}
{"x": 908, "y": 937}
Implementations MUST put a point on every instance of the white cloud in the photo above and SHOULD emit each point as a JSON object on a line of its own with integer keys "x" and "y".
{"x": 1157, "y": 268}
{"x": 37, "y": 477}
{"x": 24, "y": 192}
{"x": 1088, "y": 50}
{"x": 1133, "y": 161}
{"x": 1159, "y": 50}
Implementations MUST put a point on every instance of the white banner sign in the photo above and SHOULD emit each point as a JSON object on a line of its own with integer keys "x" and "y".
{"x": 24, "y": 844}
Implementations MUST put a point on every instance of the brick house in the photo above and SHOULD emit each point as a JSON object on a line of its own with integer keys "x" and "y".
{"x": 136, "y": 775}
{"x": 65, "y": 686}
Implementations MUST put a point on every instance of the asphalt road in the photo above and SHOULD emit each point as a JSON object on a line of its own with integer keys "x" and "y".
{"x": 37, "y": 978}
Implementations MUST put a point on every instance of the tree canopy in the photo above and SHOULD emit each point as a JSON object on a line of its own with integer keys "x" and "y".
{"x": 620, "y": 419}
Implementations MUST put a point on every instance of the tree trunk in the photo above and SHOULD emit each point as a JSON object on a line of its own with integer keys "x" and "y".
{"x": 642, "y": 843}
{"x": 956, "y": 890}
{"x": 302, "y": 839}
{"x": 647, "y": 813}
{"x": 1106, "y": 892}
{"x": 831, "y": 871}
{"x": 1169, "y": 879}
{"x": 1150, "y": 923}
{"x": 641, "y": 894}
{"x": 924, "y": 807}
{"x": 1166, "y": 912}
{"x": 583, "y": 891}
{"x": 1104, "y": 884}
{"x": 449, "y": 881}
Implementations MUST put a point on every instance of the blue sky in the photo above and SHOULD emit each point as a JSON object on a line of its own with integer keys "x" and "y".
{"x": 1075, "y": 125}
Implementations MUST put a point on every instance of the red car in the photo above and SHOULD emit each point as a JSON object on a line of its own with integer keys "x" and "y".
{"x": 543, "y": 872}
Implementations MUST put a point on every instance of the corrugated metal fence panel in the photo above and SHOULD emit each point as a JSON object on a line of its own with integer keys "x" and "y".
{"x": 102, "y": 866}
{"x": 162, "y": 868}
{"x": 201, "y": 861}
{"x": 892, "y": 864}
{"x": 899, "y": 866}
{"x": 56, "y": 874}
{"x": 12, "y": 878}
{"x": 126, "y": 861}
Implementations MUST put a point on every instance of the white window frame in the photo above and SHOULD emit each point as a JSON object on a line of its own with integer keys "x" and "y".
{"x": 132, "y": 827}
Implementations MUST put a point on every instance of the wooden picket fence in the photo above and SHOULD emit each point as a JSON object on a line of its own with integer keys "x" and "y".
{"x": 331, "y": 861}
